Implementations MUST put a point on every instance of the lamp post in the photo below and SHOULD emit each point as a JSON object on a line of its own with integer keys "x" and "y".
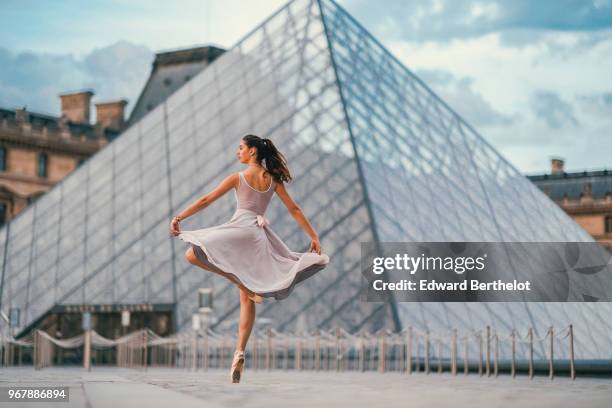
{"x": 125, "y": 320}
{"x": 206, "y": 316}
{"x": 87, "y": 341}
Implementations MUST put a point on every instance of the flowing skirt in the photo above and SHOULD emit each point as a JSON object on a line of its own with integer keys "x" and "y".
{"x": 247, "y": 251}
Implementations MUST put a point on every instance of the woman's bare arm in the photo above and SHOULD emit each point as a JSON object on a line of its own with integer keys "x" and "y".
{"x": 295, "y": 211}
{"x": 228, "y": 183}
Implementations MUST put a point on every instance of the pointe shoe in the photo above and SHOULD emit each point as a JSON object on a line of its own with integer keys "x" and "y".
{"x": 237, "y": 366}
{"x": 256, "y": 298}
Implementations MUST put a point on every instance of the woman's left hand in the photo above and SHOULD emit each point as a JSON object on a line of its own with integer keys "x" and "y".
{"x": 315, "y": 246}
{"x": 174, "y": 227}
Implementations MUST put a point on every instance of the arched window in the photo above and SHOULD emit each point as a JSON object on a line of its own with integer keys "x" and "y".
{"x": 42, "y": 164}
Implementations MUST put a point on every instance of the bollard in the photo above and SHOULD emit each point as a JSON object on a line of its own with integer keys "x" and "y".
{"x": 513, "y": 368}
{"x": 572, "y": 367}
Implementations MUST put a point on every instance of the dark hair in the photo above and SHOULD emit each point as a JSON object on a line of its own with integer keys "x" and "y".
{"x": 275, "y": 162}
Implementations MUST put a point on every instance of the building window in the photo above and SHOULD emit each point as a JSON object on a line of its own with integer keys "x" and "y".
{"x": 2, "y": 213}
{"x": 42, "y": 164}
{"x": 608, "y": 224}
{"x": 2, "y": 158}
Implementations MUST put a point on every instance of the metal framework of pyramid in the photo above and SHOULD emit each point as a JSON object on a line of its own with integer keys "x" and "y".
{"x": 376, "y": 156}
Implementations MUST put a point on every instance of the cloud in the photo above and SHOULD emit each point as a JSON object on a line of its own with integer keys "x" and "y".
{"x": 552, "y": 109}
{"x": 596, "y": 103}
{"x": 442, "y": 20}
{"x": 460, "y": 95}
{"x": 36, "y": 79}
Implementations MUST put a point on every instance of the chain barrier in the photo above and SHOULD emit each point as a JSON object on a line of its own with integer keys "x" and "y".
{"x": 410, "y": 350}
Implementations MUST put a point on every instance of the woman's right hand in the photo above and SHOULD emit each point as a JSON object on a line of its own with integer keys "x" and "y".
{"x": 174, "y": 227}
{"x": 315, "y": 246}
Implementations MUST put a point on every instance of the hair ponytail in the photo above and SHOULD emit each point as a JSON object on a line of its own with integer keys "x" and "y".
{"x": 275, "y": 162}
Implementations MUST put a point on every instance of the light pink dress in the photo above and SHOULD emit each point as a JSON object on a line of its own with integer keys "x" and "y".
{"x": 246, "y": 250}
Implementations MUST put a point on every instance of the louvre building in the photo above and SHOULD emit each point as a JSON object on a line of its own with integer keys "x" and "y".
{"x": 376, "y": 156}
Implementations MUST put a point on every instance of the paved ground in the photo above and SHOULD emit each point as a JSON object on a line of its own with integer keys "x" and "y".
{"x": 178, "y": 388}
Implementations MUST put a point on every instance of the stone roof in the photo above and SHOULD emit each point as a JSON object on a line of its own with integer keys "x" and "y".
{"x": 170, "y": 71}
{"x": 572, "y": 185}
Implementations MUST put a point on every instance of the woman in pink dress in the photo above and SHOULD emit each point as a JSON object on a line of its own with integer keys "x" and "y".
{"x": 245, "y": 249}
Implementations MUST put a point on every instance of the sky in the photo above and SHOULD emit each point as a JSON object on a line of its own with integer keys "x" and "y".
{"x": 534, "y": 78}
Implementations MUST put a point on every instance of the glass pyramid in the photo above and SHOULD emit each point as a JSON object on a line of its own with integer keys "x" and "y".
{"x": 376, "y": 156}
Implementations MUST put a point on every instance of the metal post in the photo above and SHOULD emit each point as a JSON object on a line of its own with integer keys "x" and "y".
{"x": 417, "y": 361}
{"x": 550, "y": 362}
{"x": 427, "y": 352}
{"x": 572, "y": 367}
{"x": 206, "y": 362}
{"x": 454, "y": 353}
{"x": 268, "y": 348}
{"x": 496, "y": 355}
{"x": 513, "y": 353}
{"x": 318, "y": 350}
{"x": 488, "y": 360}
{"x": 361, "y": 353}
{"x": 87, "y": 350}
{"x": 439, "y": 356}
{"x": 480, "y": 357}
{"x": 286, "y": 359}
{"x": 465, "y": 355}
{"x": 409, "y": 351}
{"x": 145, "y": 341}
{"x": 298, "y": 353}
{"x": 381, "y": 352}
{"x": 530, "y": 334}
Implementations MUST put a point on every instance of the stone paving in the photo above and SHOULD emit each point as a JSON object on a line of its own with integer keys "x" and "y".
{"x": 106, "y": 387}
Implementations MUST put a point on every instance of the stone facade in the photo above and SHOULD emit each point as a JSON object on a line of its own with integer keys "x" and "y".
{"x": 585, "y": 196}
{"x": 37, "y": 150}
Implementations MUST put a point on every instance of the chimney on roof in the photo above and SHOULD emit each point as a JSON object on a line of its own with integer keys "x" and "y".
{"x": 111, "y": 114}
{"x": 556, "y": 166}
{"x": 75, "y": 106}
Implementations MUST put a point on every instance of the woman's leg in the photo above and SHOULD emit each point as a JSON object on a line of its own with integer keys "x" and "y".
{"x": 193, "y": 259}
{"x": 247, "y": 318}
